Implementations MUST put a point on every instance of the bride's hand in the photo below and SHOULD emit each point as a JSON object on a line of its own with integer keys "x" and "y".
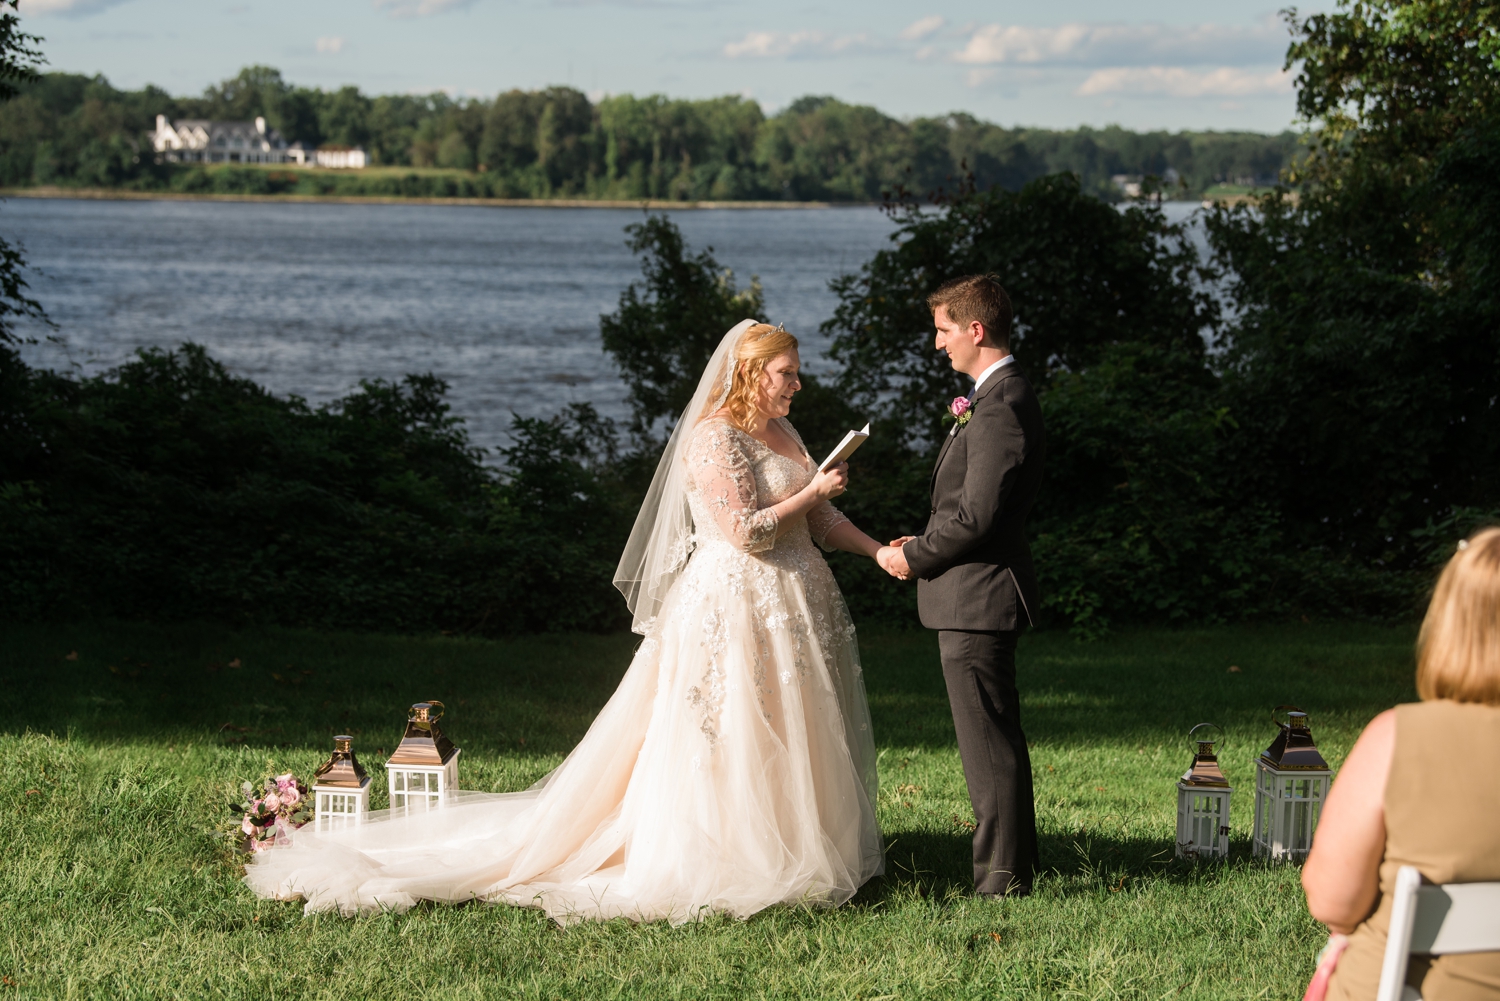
{"x": 831, "y": 482}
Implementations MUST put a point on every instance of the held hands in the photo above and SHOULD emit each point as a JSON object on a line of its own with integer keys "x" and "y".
{"x": 893, "y": 560}
{"x": 831, "y": 482}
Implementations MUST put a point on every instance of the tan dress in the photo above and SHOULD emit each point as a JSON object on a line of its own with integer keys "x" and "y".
{"x": 1442, "y": 815}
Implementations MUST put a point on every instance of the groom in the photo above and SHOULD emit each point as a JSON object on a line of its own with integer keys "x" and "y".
{"x": 976, "y": 584}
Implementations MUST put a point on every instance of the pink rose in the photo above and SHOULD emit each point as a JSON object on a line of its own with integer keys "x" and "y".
{"x": 272, "y": 803}
{"x": 959, "y": 406}
{"x": 247, "y": 827}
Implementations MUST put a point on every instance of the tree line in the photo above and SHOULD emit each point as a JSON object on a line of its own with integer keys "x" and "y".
{"x": 70, "y": 129}
{"x": 1302, "y": 425}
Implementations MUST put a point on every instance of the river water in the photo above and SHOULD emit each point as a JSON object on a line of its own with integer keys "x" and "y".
{"x": 307, "y": 299}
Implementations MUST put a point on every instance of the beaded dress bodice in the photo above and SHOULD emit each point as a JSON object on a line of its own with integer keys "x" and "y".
{"x": 735, "y": 481}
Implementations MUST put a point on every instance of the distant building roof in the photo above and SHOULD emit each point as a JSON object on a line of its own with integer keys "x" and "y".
{"x": 197, "y": 133}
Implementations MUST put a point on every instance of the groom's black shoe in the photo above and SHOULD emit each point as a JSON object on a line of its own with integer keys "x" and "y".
{"x": 1014, "y": 893}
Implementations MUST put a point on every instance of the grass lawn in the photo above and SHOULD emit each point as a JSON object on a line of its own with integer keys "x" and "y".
{"x": 116, "y": 766}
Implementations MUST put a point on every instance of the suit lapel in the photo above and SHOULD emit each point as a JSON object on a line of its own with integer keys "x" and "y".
{"x": 942, "y": 453}
{"x": 1009, "y": 371}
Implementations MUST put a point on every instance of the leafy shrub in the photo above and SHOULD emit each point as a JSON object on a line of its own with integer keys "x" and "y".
{"x": 170, "y": 488}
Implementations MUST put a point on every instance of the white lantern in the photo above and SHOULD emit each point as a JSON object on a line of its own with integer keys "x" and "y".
{"x": 1203, "y": 804}
{"x": 1291, "y": 785}
{"x": 341, "y": 789}
{"x": 424, "y": 768}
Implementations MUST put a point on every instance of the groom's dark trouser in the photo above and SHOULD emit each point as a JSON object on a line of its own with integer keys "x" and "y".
{"x": 980, "y": 671}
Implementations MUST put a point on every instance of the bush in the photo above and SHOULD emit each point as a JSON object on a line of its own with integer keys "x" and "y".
{"x": 170, "y": 489}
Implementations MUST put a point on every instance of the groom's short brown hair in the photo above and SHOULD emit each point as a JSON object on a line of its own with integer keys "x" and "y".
{"x": 976, "y": 297}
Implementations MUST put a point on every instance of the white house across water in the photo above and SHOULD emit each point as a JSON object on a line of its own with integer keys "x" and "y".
{"x": 196, "y": 140}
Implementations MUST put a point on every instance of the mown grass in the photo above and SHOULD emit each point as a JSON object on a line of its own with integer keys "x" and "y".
{"x": 116, "y": 767}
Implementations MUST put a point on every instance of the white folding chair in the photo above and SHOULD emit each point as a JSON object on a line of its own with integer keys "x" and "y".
{"x": 1435, "y": 920}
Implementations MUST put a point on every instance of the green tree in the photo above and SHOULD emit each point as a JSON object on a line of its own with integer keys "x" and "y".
{"x": 1082, "y": 275}
{"x": 296, "y": 116}
{"x": 509, "y": 138}
{"x": 668, "y": 325}
{"x": 1368, "y": 326}
{"x": 19, "y": 60}
{"x": 563, "y": 129}
{"x": 821, "y": 148}
{"x": 254, "y": 91}
{"x": 344, "y": 117}
{"x": 1396, "y": 80}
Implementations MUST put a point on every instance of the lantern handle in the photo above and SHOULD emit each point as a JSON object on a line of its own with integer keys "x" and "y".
{"x": 432, "y": 717}
{"x": 1276, "y": 713}
{"x": 1200, "y": 726}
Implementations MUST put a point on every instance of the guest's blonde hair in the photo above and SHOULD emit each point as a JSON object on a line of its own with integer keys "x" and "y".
{"x": 1458, "y": 649}
{"x": 758, "y": 345}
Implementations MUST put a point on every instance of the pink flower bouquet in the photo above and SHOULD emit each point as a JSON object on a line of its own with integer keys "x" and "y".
{"x": 268, "y": 817}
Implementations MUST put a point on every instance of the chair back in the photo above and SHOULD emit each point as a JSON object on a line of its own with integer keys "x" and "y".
{"x": 1435, "y": 920}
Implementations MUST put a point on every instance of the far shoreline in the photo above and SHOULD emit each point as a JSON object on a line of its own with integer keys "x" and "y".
{"x": 647, "y": 204}
{"x": 642, "y": 204}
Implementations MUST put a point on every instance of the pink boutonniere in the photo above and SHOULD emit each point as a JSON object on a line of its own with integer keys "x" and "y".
{"x": 959, "y": 412}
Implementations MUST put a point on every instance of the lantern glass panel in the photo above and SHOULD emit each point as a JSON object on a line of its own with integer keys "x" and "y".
{"x": 1206, "y": 822}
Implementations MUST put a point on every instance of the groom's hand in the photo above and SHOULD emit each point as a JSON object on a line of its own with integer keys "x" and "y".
{"x": 893, "y": 561}
{"x": 898, "y": 543}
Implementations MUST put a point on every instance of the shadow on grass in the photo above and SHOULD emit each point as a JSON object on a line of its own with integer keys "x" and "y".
{"x": 938, "y": 867}
{"x": 292, "y": 689}
{"x": 1140, "y": 686}
{"x": 530, "y": 696}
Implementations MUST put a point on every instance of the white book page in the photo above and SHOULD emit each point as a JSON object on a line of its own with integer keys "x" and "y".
{"x": 847, "y": 447}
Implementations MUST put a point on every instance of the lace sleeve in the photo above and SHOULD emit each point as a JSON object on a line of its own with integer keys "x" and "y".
{"x": 821, "y": 520}
{"x": 720, "y": 467}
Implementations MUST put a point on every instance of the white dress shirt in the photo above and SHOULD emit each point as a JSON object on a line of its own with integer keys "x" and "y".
{"x": 989, "y": 372}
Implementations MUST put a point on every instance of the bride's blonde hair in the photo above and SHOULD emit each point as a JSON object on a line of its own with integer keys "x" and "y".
{"x": 757, "y": 347}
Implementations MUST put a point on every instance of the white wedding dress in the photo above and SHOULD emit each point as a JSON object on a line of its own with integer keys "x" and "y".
{"x": 733, "y": 768}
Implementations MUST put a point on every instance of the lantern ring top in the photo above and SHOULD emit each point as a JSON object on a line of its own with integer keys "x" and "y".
{"x": 1200, "y": 726}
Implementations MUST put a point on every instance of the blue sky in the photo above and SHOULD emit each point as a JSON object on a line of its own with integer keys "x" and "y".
{"x": 1206, "y": 64}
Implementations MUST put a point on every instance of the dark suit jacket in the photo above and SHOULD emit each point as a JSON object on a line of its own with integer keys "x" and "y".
{"x": 972, "y": 561}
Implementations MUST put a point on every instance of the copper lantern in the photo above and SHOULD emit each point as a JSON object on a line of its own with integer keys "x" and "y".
{"x": 341, "y": 789}
{"x": 424, "y": 769}
{"x": 1291, "y": 785}
{"x": 1203, "y": 803}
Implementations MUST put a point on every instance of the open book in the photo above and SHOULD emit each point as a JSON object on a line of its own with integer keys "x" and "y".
{"x": 846, "y": 448}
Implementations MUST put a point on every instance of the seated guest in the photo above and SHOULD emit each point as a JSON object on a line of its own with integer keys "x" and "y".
{"x": 1421, "y": 788}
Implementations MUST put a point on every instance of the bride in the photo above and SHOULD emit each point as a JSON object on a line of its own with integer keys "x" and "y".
{"x": 733, "y": 768}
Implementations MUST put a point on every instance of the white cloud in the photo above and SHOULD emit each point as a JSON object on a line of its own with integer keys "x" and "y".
{"x": 70, "y": 8}
{"x": 419, "y": 8}
{"x": 1175, "y": 81}
{"x": 918, "y": 30}
{"x": 333, "y": 44}
{"x": 1125, "y": 44}
{"x": 791, "y": 44}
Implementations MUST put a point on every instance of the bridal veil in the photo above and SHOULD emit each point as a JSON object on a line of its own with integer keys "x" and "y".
{"x": 661, "y": 541}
